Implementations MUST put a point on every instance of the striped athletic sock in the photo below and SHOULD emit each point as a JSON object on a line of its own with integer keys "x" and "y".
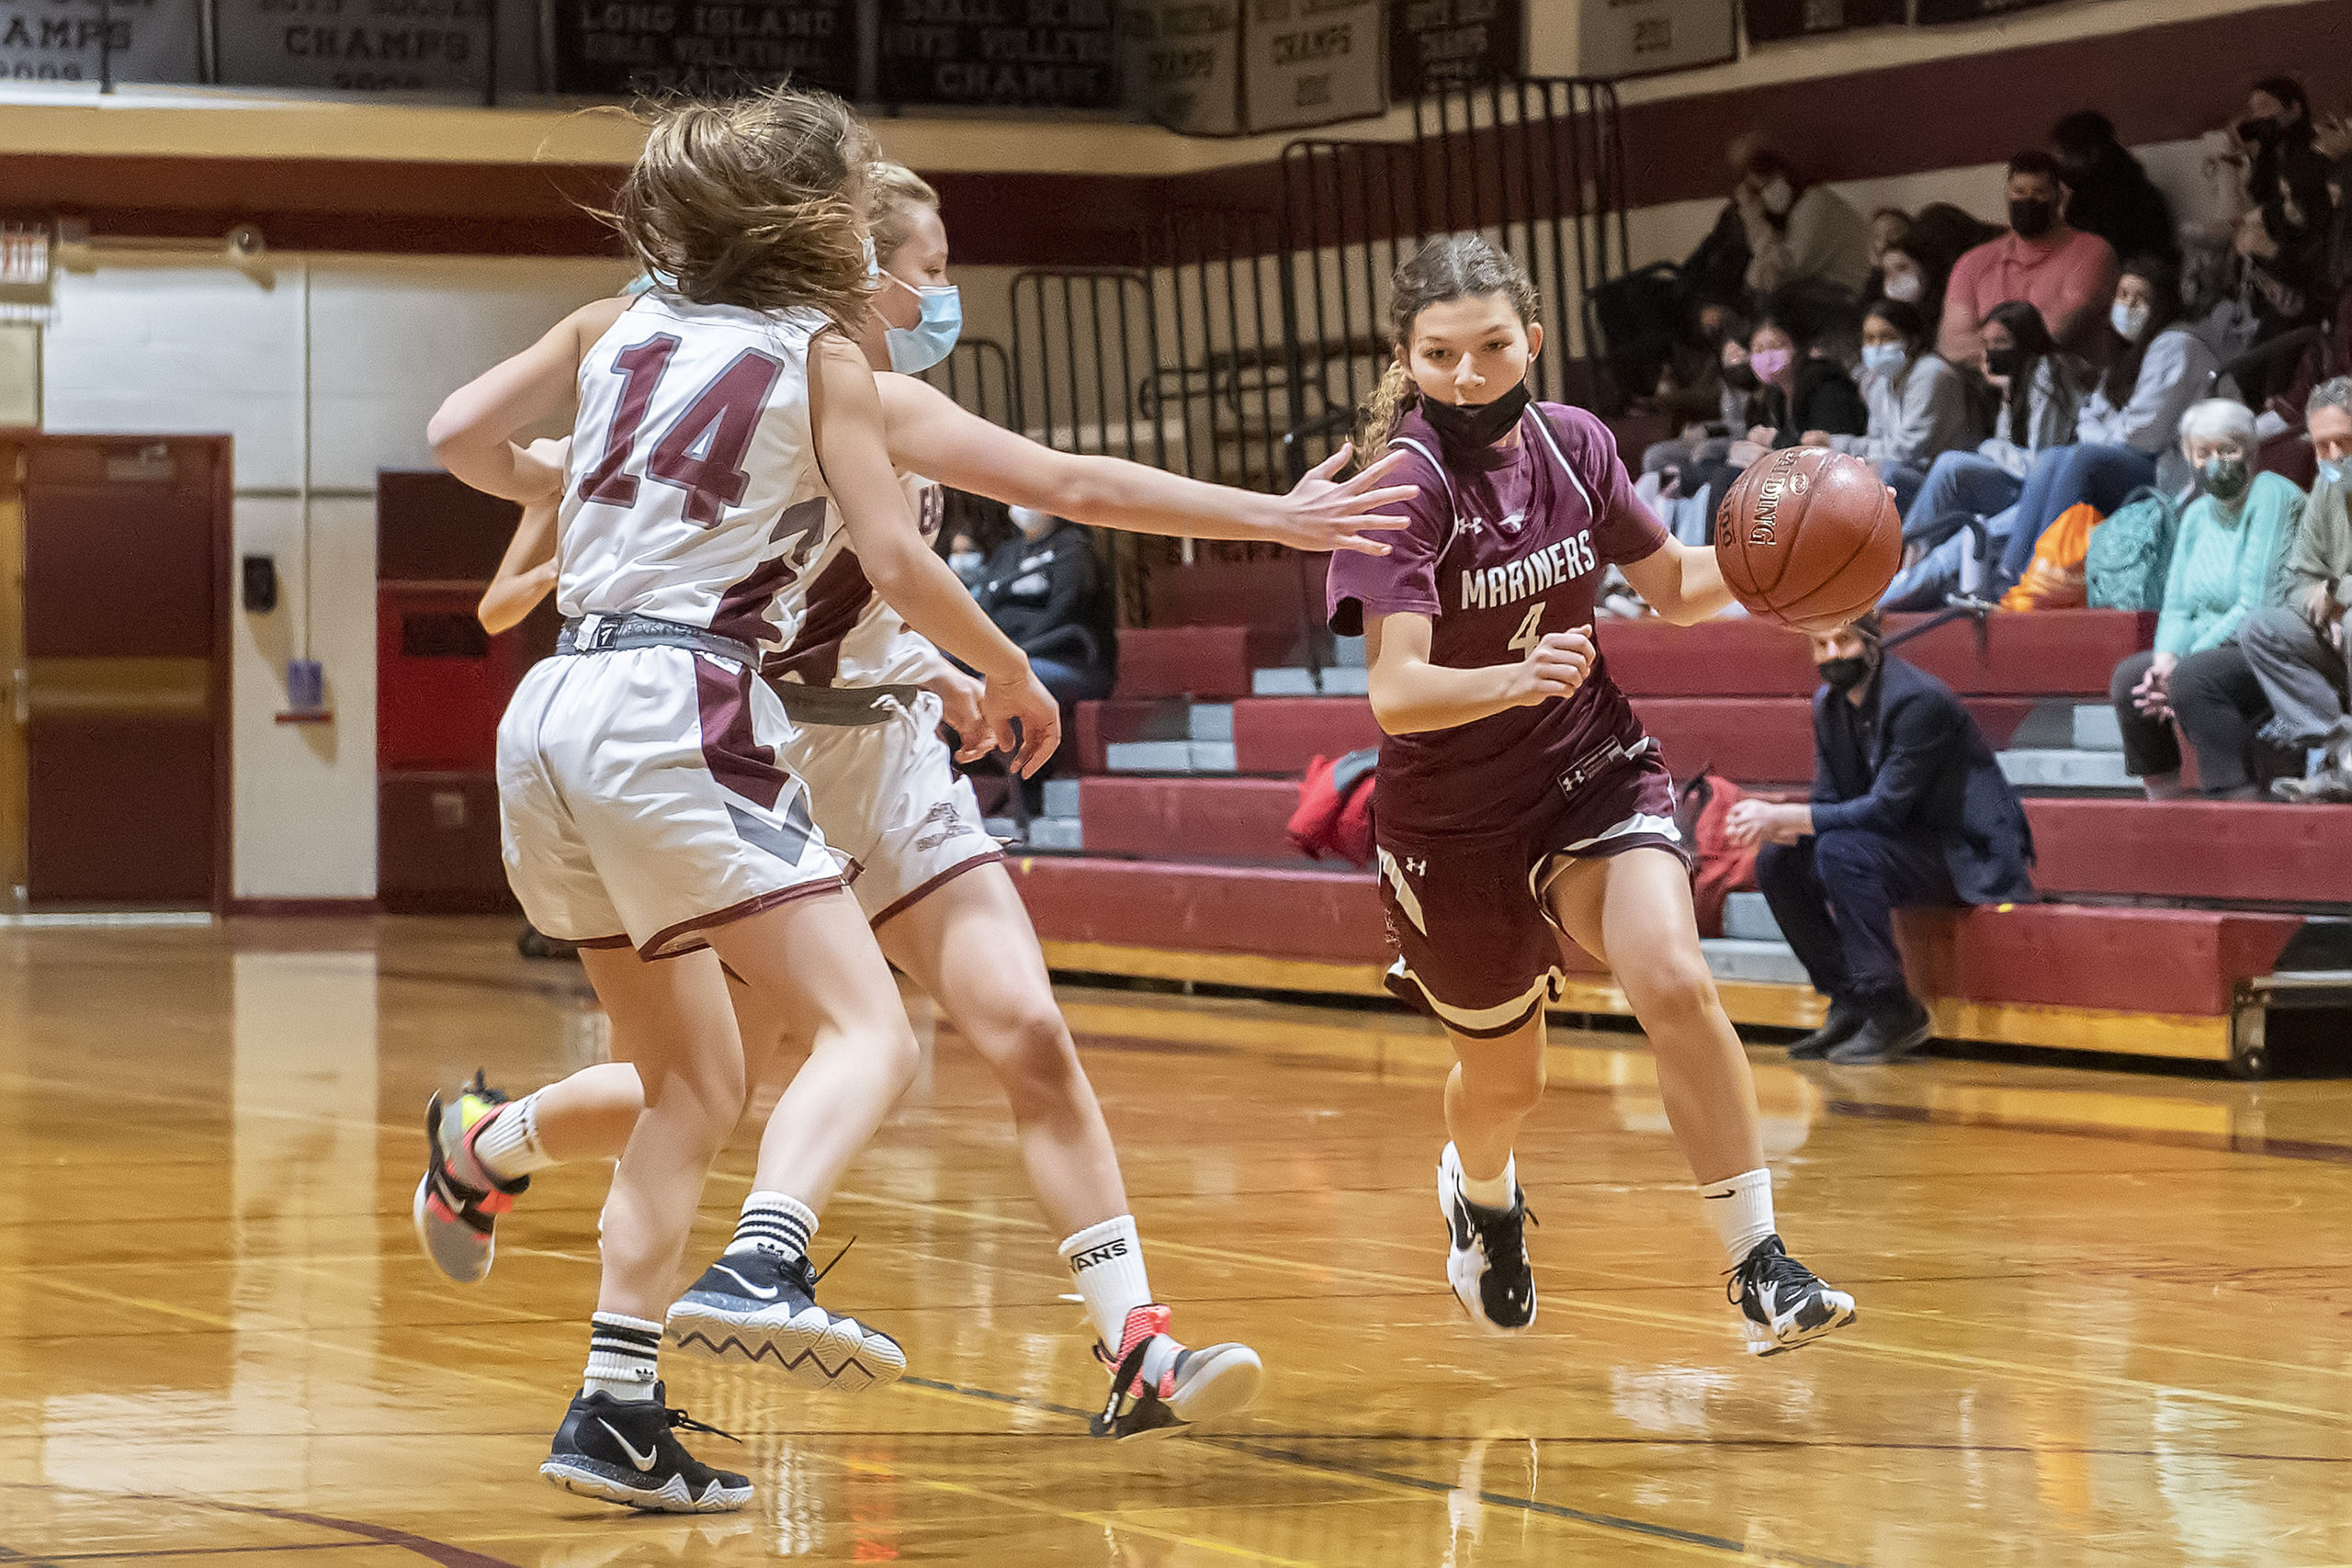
{"x": 1106, "y": 1262}
{"x": 776, "y": 1224}
{"x": 622, "y": 1352}
{"x": 508, "y": 1146}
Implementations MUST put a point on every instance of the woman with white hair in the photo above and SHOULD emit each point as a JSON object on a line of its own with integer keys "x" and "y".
{"x": 2225, "y": 569}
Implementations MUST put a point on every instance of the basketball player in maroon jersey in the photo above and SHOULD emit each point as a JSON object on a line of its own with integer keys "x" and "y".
{"x": 1521, "y": 805}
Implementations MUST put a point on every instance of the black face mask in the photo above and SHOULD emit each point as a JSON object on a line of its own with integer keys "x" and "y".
{"x": 1476, "y": 424}
{"x": 2033, "y": 217}
{"x": 1845, "y": 675}
{"x": 1741, "y": 378}
{"x": 2261, "y": 132}
{"x": 2004, "y": 361}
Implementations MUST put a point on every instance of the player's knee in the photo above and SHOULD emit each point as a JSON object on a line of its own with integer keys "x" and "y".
{"x": 1033, "y": 1056}
{"x": 1506, "y": 1088}
{"x": 1678, "y": 989}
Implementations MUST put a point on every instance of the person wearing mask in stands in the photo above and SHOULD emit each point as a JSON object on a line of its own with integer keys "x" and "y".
{"x": 2225, "y": 570}
{"x": 1801, "y": 391}
{"x": 1889, "y": 227}
{"x": 2286, "y": 174}
{"x": 1800, "y": 236}
{"x": 2299, "y": 649}
{"x": 2066, "y": 273}
{"x": 1046, "y": 590}
{"x": 2040, "y": 387}
{"x": 1909, "y": 809}
{"x": 2129, "y": 433}
{"x": 1918, "y": 409}
{"x": 964, "y": 559}
{"x": 2108, "y": 193}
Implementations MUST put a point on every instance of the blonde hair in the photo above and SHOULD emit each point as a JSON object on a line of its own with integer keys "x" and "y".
{"x": 890, "y": 190}
{"x": 1452, "y": 266}
{"x": 756, "y": 201}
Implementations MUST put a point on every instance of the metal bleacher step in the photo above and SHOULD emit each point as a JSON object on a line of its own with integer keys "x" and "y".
{"x": 1170, "y": 756}
{"x": 2076, "y": 769}
{"x": 2096, "y": 728}
{"x": 1045, "y": 832}
{"x": 1209, "y": 721}
{"x": 1734, "y": 958}
{"x": 1747, "y": 918}
{"x": 1334, "y": 681}
{"x": 1061, "y": 797}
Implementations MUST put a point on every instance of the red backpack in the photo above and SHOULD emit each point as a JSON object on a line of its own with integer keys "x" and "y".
{"x": 1334, "y": 814}
{"x": 1719, "y": 869}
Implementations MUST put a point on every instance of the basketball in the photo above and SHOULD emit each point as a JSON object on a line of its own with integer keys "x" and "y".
{"x": 1808, "y": 538}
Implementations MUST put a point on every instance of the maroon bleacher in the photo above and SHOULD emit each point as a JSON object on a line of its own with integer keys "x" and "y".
{"x": 2253, "y": 850}
{"x": 2048, "y": 653}
{"x": 1176, "y": 661}
{"x": 1189, "y": 818}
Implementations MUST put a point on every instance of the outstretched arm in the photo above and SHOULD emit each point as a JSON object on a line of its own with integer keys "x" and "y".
{"x": 845, "y": 416}
{"x": 932, "y": 435}
{"x": 473, "y": 431}
{"x": 1682, "y": 582}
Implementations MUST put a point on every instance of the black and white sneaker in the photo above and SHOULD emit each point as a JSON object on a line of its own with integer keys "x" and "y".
{"x": 1159, "y": 1386}
{"x": 1486, "y": 1256}
{"x": 1781, "y": 1304}
{"x": 621, "y": 1450}
{"x": 750, "y": 1306}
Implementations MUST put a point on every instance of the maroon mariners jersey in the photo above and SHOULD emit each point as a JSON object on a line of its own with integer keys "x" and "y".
{"x": 1506, "y": 544}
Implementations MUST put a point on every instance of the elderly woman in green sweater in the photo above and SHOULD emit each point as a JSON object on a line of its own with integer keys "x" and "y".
{"x": 2225, "y": 569}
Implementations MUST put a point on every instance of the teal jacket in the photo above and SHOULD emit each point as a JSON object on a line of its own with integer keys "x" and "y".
{"x": 2226, "y": 565}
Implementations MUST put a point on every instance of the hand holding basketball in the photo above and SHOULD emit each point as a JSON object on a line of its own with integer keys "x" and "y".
{"x": 1808, "y": 539}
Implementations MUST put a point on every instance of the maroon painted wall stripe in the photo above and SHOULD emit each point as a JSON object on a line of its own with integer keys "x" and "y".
{"x": 2163, "y": 83}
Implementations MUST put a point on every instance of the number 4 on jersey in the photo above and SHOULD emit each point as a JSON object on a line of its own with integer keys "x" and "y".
{"x": 702, "y": 452}
{"x": 1530, "y": 630}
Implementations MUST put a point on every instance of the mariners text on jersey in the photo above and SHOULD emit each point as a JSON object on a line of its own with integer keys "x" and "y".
{"x": 1556, "y": 563}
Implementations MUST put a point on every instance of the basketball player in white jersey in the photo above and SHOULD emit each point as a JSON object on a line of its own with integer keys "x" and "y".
{"x": 868, "y": 693}
{"x": 730, "y": 438}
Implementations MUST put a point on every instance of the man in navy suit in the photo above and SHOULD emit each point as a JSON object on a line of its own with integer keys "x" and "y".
{"x": 1908, "y": 809}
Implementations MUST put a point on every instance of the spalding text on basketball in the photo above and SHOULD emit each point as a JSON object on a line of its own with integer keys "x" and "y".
{"x": 1768, "y": 496}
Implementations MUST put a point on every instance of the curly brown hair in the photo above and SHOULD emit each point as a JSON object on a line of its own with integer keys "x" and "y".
{"x": 757, "y": 201}
{"x": 1448, "y": 267}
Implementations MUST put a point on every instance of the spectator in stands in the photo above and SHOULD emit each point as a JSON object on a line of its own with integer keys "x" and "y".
{"x": 964, "y": 559}
{"x": 2225, "y": 569}
{"x": 1800, "y": 236}
{"x": 1046, "y": 590}
{"x": 2041, "y": 386}
{"x": 1917, "y": 407}
{"x": 2299, "y": 649}
{"x": 1910, "y": 808}
{"x": 2286, "y": 174}
{"x": 2108, "y": 193}
{"x": 1802, "y": 390}
{"x": 1915, "y": 268}
{"x": 2067, "y": 274}
{"x": 2129, "y": 433}
{"x": 1889, "y": 226}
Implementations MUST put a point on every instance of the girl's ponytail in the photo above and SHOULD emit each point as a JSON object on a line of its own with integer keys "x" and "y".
{"x": 1387, "y": 404}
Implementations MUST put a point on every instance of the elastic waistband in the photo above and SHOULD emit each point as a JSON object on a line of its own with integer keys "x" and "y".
{"x": 618, "y": 634}
{"x": 843, "y": 706}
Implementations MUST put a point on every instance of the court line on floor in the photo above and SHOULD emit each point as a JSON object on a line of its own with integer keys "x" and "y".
{"x": 1374, "y": 1475}
{"x": 440, "y": 1551}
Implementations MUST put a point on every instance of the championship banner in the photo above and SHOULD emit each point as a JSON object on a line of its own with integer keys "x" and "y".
{"x": 82, "y": 41}
{"x": 1184, "y": 62}
{"x": 1771, "y": 20}
{"x": 369, "y": 46}
{"x": 1308, "y": 62}
{"x": 615, "y": 47}
{"x": 1029, "y": 54}
{"x": 1437, "y": 44}
{"x": 1635, "y": 37}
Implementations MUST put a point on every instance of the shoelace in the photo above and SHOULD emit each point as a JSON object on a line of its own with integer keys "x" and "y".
{"x": 806, "y": 1274}
{"x": 680, "y": 1421}
{"x": 1502, "y": 1237}
{"x": 1768, "y": 1265}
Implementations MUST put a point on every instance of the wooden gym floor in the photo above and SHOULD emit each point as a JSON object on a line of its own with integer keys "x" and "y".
{"x": 2105, "y": 1318}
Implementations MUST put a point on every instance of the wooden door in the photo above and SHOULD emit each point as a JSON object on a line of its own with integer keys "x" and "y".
{"x": 116, "y": 766}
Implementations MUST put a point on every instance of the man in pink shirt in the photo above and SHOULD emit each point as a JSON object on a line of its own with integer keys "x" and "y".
{"x": 2066, "y": 273}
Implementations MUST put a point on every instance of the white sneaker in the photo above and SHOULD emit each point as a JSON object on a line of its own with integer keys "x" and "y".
{"x": 1486, "y": 1256}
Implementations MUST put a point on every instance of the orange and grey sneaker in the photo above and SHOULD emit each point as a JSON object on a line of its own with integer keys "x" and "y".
{"x": 1158, "y": 1387}
{"x": 457, "y": 1202}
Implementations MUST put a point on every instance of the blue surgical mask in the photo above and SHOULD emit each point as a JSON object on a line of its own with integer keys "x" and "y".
{"x": 2332, "y": 472}
{"x": 646, "y": 282}
{"x": 930, "y": 340}
{"x": 1884, "y": 359}
{"x": 2129, "y": 320}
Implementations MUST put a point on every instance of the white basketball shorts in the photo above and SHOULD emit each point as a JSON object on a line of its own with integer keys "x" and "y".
{"x": 888, "y": 796}
{"x": 642, "y": 801}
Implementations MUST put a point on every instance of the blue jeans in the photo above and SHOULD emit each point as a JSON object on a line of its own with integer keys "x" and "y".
{"x": 1959, "y": 485}
{"x": 1834, "y": 895}
{"x": 1071, "y": 682}
{"x": 1905, "y": 481}
{"x": 1927, "y": 582}
{"x": 2064, "y": 477}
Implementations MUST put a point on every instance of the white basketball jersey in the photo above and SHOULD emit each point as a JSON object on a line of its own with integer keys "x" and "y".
{"x": 694, "y": 493}
{"x": 846, "y": 634}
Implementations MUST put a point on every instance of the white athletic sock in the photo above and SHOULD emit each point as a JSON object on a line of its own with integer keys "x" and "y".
{"x": 622, "y": 1352}
{"x": 1497, "y": 1193}
{"x": 1741, "y": 1211}
{"x": 1107, "y": 1262}
{"x": 776, "y": 1224}
{"x": 508, "y": 1146}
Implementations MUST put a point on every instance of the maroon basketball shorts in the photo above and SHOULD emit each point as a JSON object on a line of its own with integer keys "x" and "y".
{"x": 1477, "y": 944}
